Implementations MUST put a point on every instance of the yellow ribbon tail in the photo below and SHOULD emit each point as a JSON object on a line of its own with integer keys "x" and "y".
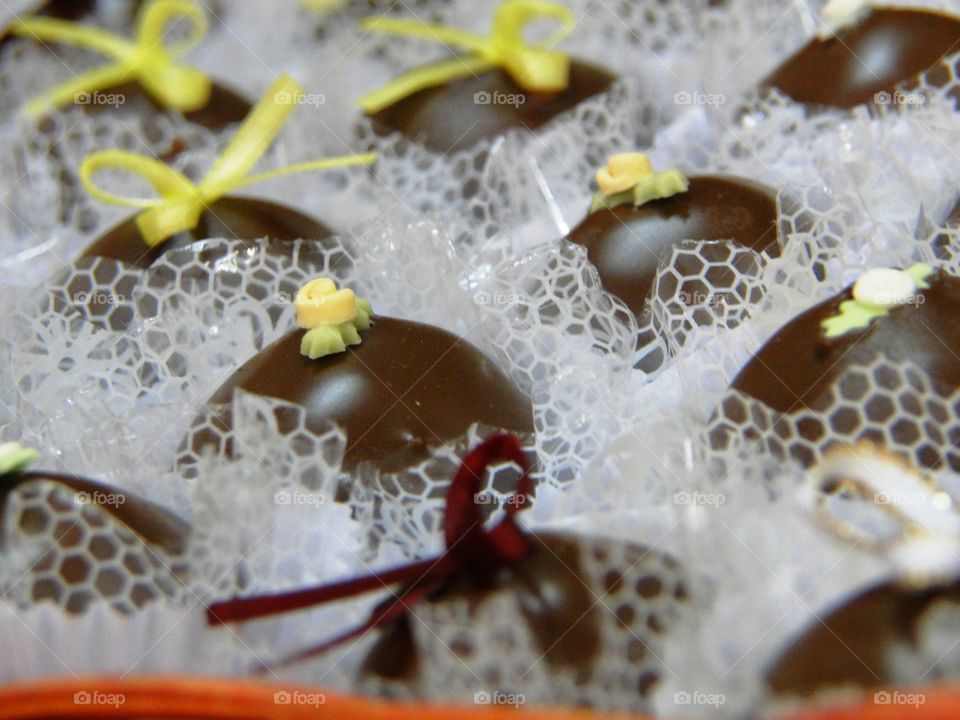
{"x": 420, "y": 79}
{"x": 44, "y": 29}
{"x": 78, "y": 91}
{"x": 325, "y": 164}
{"x": 534, "y": 67}
{"x": 435, "y": 33}
{"x": 161, "y": 222}
{"x": 177, "y": 86}
{"x": 539, "y": 71}
{"x": 253, "y": 138}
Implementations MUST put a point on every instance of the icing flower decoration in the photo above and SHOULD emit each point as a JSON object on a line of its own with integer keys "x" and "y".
{"x": 146, "y": 59}
{"x": 534, "y": 67}
{"x": 181, "y": 202}
{"x": 331, "y": 317}
{"x": 14, "y": 457}
{"x": 472, "y": 550}
{"x": 874, "y": 294}
{"x": 630, "y": 178}
{"x": 926, "y": 550}
{"x": 839, "y": 15}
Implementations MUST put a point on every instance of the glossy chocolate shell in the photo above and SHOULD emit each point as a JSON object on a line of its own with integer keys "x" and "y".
{"x": 455, "y": 116}
{"x": 888, "y": 47}
{"x": 798, "y": 368}
{"x": 233, "y": 218}
{"x": 236, "y": 218}
{"x": 556, "y": 604}
{"x": 851, "y": 645}
{"x": 407, "y": 388}
{"x": 627, "y": 244}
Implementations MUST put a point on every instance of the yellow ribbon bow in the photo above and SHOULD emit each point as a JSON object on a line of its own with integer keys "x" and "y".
{"x": 145, "y": 59}
{"x": 534, "y": 67}
{"x": 181, "y": 202}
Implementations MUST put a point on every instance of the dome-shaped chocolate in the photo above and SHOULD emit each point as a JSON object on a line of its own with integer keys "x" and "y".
{"x": 459, "y": 114}
{"x": 627, "y": 243}
{"x": 886, "y": 48}
{"x": 406, "y": 388}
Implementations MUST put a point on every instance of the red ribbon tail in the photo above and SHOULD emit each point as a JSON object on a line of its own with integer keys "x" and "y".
{"x": 381, "y": 616}
{"x": 241, "y": 609}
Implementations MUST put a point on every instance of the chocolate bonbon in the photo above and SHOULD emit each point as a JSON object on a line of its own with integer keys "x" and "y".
{"x": 863, "y": 640}
{"x": 144, "y": 70}
{"x": 537, "y": 593}
{"x": 461, "y": 113}
{"x": 185, "y": 211}
{"x": 627, "y": 236}
{"x": 865, "y": 61}
{"x": 94, "y": 539}
{"x": 504, "y": 83}
{"x": 800, "y": 365}
{"x": 405, "y": 389}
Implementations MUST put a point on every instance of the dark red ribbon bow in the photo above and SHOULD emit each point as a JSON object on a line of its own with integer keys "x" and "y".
{"x": 470, "y": 549}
